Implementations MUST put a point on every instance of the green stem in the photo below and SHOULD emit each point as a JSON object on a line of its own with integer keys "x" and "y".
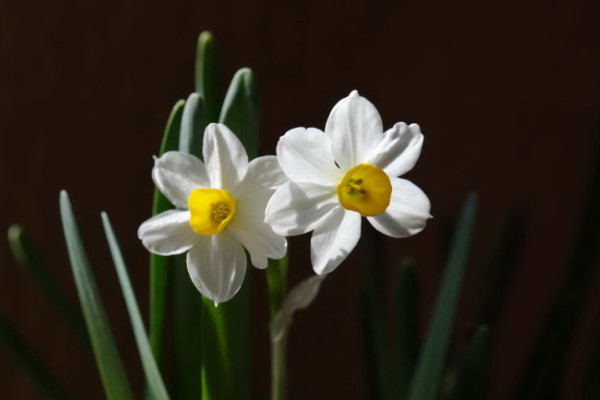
{"x": 278, "y": 368}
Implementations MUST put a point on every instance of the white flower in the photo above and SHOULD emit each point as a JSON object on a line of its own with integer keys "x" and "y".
{"x": 221, "y": 207}
{"x": 346, "y": 172}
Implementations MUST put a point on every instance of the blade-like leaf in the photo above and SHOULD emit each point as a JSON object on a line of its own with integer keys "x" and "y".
{"x": 153, "y": 378}
{"x": 425, "y": 384}
{"x": 25, "y": 357}
{"x": 110, "y": 366}
{"x": 207, "y": 76}
{"x": 241, "y": 108}
{"x": 192, "y": 125}
{"x": 373, "y": 315}
{"x": 543, "y": 373}
{"x": 474, "y": 368}
{"x": 405, "y": 339}
{"x": 30, "y": 258}
{"x": 277, "y": 282}
{"x": 159, "y": 265}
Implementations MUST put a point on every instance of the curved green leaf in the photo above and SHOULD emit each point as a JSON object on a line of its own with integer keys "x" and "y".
{"x": 110, "y": 366}
{"x": 425, "y": 385}
{"x": 207, "y": 75}
{"x": 159, "y": 265}
{"x": 153, "y": 378}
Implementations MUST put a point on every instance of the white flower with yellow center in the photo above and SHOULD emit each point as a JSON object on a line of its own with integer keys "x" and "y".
{"x": 221, "y": 209}
{"x": 348, "y": 171}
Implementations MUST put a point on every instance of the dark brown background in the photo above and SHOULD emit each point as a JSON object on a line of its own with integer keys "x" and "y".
{"x": 507, "y": 94}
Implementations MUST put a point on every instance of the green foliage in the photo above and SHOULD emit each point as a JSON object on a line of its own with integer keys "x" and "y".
{"x": 159, "y": 265}
{"x": 153, "y": 378}
{"x": 432, "y": 359}
{"x": 207, "y": 75}
{"x": 108, "y": 360}
{"x": 472, "y": 375}
{"x": 30, "y": 259}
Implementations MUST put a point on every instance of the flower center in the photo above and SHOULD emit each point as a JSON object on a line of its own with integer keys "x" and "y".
{"x": 211, "y": 209}
{"x": 366, "y": 189}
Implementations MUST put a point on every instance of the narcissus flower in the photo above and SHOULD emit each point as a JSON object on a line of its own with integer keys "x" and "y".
{"x": 347, "y": 172}
{"x": 220, "y": 210}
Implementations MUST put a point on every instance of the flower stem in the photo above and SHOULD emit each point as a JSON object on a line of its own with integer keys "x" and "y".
{"x": 278, "y": 368}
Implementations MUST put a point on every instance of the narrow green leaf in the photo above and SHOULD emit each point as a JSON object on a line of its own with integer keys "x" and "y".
{"x": 207, "y": 75}
{"x": 110, "y": 366}
{"x": 192, "y": 125}
{"x": 241, "y": 110}
{"x": 473, "y": 369}
{"x": 426, "y": 381}
{"x": 187, "y": 334}
{"x": 373, "y": 315}
{"x": 30, "y": 258}
{"x": 405, "y": 330}
{"x": 153, "y": 378}
{"x": 500, "y": 264}
{"x": 160, "y": 265}
{"x": 544, "y": 370}
{"x": 26, "y": 358}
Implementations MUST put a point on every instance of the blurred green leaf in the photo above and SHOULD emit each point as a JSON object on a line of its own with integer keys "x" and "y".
{"x": 426, "y": 381}
{"x": 192, "y": 126}
{"x": 277, "y": 273}
{"x": 26, "y": 358}
{"x": 405, "y": 332}
{"x": 502, "y": 257}
{"x": 30, "y": 258}
{"x": 153, "y": 378}
{"x": 110, "y": 366}
{"x": 241, "y": 110}
{"x": 160, "y": 265}
{"x": 473, "y": 370}
{"x": 373, "y": 315}
{"x": 207, "y": 76}
{"x": 542, "y": 376}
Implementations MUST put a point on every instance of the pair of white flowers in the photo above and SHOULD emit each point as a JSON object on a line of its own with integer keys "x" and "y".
{"x": 320, "y": 181}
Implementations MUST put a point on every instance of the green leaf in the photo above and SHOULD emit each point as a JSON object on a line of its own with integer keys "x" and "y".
{"x": 473, "y": 373}
{"x": 501, "y": 261}
{"x": 192, "y": 126}
{"x": 241, "y": 110}
{"x": 207, "y": 76}
{"x": 187, "y": 334}
{"x": 405, "y": 338}
{"x": 160, "y": 265}
{"x": 26, "y": 358}
{"x": 30, "y": 259}
{"x": 110, "y": 366}
{"x": 153, "y": 378}
{"x": 544, "y": 371}
{"x": 425, "y": 384}
{"x": 373, "y": 316}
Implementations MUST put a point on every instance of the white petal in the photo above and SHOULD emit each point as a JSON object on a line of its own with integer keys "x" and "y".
{"x": 295, "y": 208}
{"x": 257, "y": 237}
{"x": 217, "y": 265}
{"x": 333, "y": 239}
{"x": 225, "y": 157}
{"x": 305, "y": 156}
{"x": 355, "y": 128}
{"x": 399, "y": 150}
{"x": 407, "y": 213}
{"x": 177, "y": 174}
{"x": 263, "y": 173}
{"x": 168, "y": 233}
